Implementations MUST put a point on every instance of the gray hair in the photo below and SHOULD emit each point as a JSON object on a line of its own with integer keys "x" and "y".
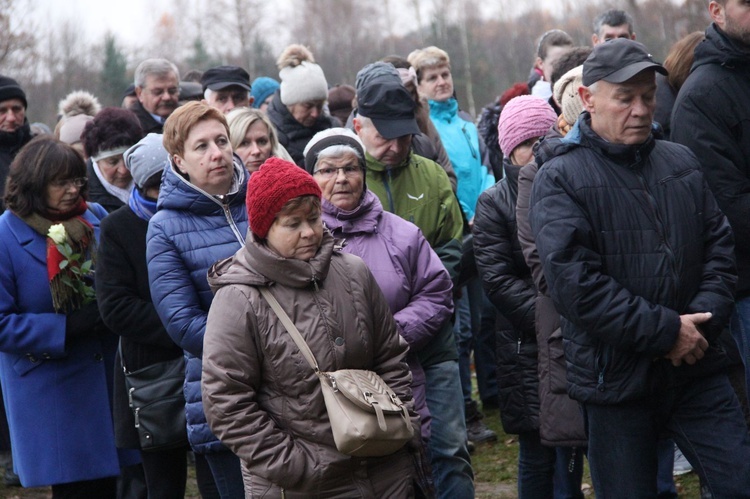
{"x": 338, "y": 150}
{"x": 154, "y": 67}
{"x": 613, "y": 17}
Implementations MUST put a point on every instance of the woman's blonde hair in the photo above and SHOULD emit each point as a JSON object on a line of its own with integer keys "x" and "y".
{"x": 240, "y": 120}
{"x": 426, "y": 58}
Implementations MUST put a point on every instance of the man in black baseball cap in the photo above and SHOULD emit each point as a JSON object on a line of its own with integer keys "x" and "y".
{"x": 418, "y": 190}
{"x": 620, "y": 71}
{"x": 638, "y": 260}
{"x": 226, "y": 87}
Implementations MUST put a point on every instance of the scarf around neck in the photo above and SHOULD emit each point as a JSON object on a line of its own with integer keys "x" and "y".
{"x": 142, "y": 206}
{"x": 80, "y": 235}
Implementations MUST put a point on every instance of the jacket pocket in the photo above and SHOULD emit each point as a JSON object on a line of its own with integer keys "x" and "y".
{"x": 24, "y": 364}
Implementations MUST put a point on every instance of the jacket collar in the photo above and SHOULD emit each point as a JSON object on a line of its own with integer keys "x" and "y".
{"x": 256, "y": 265}
{"x": 177, "y": 193}
{"x": 718, "y": 48}
{"x": 362, "y": 219}
{"x": 445, "y": 110}
{"x": 631, "y": 156}
{"x": 375, "y": 165}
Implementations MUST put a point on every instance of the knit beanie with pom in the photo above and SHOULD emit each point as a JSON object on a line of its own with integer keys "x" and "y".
{"x": 521, "y": 119}
{"x": 268, "y": 190}
{"x": 566, "y": 94}
{"x": 301, "y": 79}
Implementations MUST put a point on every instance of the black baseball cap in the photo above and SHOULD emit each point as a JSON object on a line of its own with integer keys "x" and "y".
{"x": 383, "y": 98}
{"x": 617, "y": 61}
{"x": 222, "y": 77}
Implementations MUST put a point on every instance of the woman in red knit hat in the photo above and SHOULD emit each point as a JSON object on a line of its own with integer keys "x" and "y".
{"x": 261, "y": 397}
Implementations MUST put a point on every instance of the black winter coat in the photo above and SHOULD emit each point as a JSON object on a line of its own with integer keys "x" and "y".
{"x": 712, "y": 117}
{"x": 507, "y": 281}
{"x": 148, "y": 123}
{"x": 292, "y": 135}
{"x": 10, "y": 144}
{"x": 630, "y": 238}
{"x": 124, "y": 299}
{"x": 560, "y": 417}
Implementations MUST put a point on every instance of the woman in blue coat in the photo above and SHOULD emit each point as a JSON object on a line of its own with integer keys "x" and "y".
{"x": 200, "y": 218}
{"x": 56, "y": 356}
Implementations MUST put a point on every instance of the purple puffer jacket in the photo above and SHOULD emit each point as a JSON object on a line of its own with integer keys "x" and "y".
{"x": 413, "y": 279}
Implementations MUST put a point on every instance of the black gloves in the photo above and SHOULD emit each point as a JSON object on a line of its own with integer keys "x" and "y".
{"x": 86, "y": 321}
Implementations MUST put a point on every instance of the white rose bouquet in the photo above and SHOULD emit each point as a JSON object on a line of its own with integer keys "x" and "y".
{"x": 72, "y": 276}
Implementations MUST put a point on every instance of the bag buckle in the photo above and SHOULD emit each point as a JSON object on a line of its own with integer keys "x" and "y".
{"x": 135, "y": 414}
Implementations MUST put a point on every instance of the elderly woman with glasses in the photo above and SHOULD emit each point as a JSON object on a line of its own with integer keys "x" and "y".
{"x": 415, "y": 283}
{"x": 56, "y": 356}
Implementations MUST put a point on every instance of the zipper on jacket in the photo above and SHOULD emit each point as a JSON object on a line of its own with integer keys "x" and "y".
{"x": 601, "y": 366}
{"x": 388, "y": 180}
{"x": 322, "y": 314}
{"x": 662, "y": 230}
{"x": 230, "y": 219}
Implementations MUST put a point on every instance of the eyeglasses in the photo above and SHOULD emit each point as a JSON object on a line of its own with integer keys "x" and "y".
{"x": 71, "y": 182}
{"x": 328, "y": 173}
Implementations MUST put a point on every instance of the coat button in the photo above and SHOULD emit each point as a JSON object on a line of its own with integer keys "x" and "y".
{"x": 339, "y": 341}
{"x": 46, "y": 356}
{"x": 31, "y": 358}
{"x": 98, "y": 357}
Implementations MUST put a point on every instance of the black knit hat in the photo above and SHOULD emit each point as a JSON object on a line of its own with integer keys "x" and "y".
{"x": 10, "y": 89}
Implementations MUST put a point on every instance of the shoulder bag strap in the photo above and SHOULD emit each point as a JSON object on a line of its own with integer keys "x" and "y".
{"x": 290, "y": 327}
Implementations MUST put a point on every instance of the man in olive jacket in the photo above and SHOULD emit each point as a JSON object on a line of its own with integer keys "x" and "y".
{"x": 639, "y": 262}
{"x": 418, "y": 190}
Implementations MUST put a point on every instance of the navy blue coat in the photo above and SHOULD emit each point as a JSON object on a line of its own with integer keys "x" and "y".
{"x": 630, "y": 238}
{"x": 56, "y": 396}
{"x": 191, "y": 231}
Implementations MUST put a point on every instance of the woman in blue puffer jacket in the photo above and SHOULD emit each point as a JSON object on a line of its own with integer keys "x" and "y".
{"x": 201, "y": 218}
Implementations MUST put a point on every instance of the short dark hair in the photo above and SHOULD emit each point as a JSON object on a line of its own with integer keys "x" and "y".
{"x": 112, "y": 127}
{"x": 41, "y": 161}
{"x": 569, "y": 60}
{"x": 613, "y": 17}
{"x": 552, "y": 38}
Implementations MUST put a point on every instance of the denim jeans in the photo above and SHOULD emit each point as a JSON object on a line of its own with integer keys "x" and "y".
{"x": 665, "y": 488}
{"x": 227, "y": 472}
{"x": 740, "y": 328}
{"x": 474, "y": 329}
{"x": 449, "y": 456}
{"x": 703, "y": 417}
{"x": 545, "y": 472}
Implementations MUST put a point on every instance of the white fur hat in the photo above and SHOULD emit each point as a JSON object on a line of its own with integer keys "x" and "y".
{"x": 301, "y": 79}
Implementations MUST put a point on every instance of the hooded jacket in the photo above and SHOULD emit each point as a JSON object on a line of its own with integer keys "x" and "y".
{"x": 630, "y": 237}
{"x": 461, "y": 140}
{"x": 712, "y": 117}
{"x": 190, "y": 232}
{"x": 416, "y": 286}
{"x": 560, "y": 417}
{"x": 418, "y": 190}
{"x": 292, "y": 134}
{"x": 507, "y": 281}
{"x": 262, "y": 398}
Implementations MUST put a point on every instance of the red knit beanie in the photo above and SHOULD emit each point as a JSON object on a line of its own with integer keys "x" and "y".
{"x": 276, "y": 182}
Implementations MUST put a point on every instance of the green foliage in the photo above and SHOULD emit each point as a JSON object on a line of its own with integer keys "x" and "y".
{"x": 114, "y": 77}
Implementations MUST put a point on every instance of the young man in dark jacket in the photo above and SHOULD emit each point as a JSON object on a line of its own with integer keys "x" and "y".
{"x": 712, "y": 117}
{"x": 639, "y": 262}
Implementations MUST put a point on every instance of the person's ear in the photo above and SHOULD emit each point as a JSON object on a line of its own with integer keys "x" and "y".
{"x": 357, "y": 125}
{"x": 138, "y": 92}
{"x": 250, "y": 101}
{"x": 717, "y": 13}
{"x": 587, "y": 97}
{"x": 632, "y": 37}
{"x": 178, "y": 162}
{"x": 594, "y": 39}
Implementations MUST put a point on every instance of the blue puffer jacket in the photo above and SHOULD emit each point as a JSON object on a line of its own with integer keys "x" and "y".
{"x": 190, "y": 232}
{"x": 461, "y": 141}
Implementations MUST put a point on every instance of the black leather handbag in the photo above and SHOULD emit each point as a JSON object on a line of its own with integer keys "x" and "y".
{"x": 156, "y": 398}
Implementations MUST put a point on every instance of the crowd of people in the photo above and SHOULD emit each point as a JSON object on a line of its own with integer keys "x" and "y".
{"x": 584, "y": 244}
